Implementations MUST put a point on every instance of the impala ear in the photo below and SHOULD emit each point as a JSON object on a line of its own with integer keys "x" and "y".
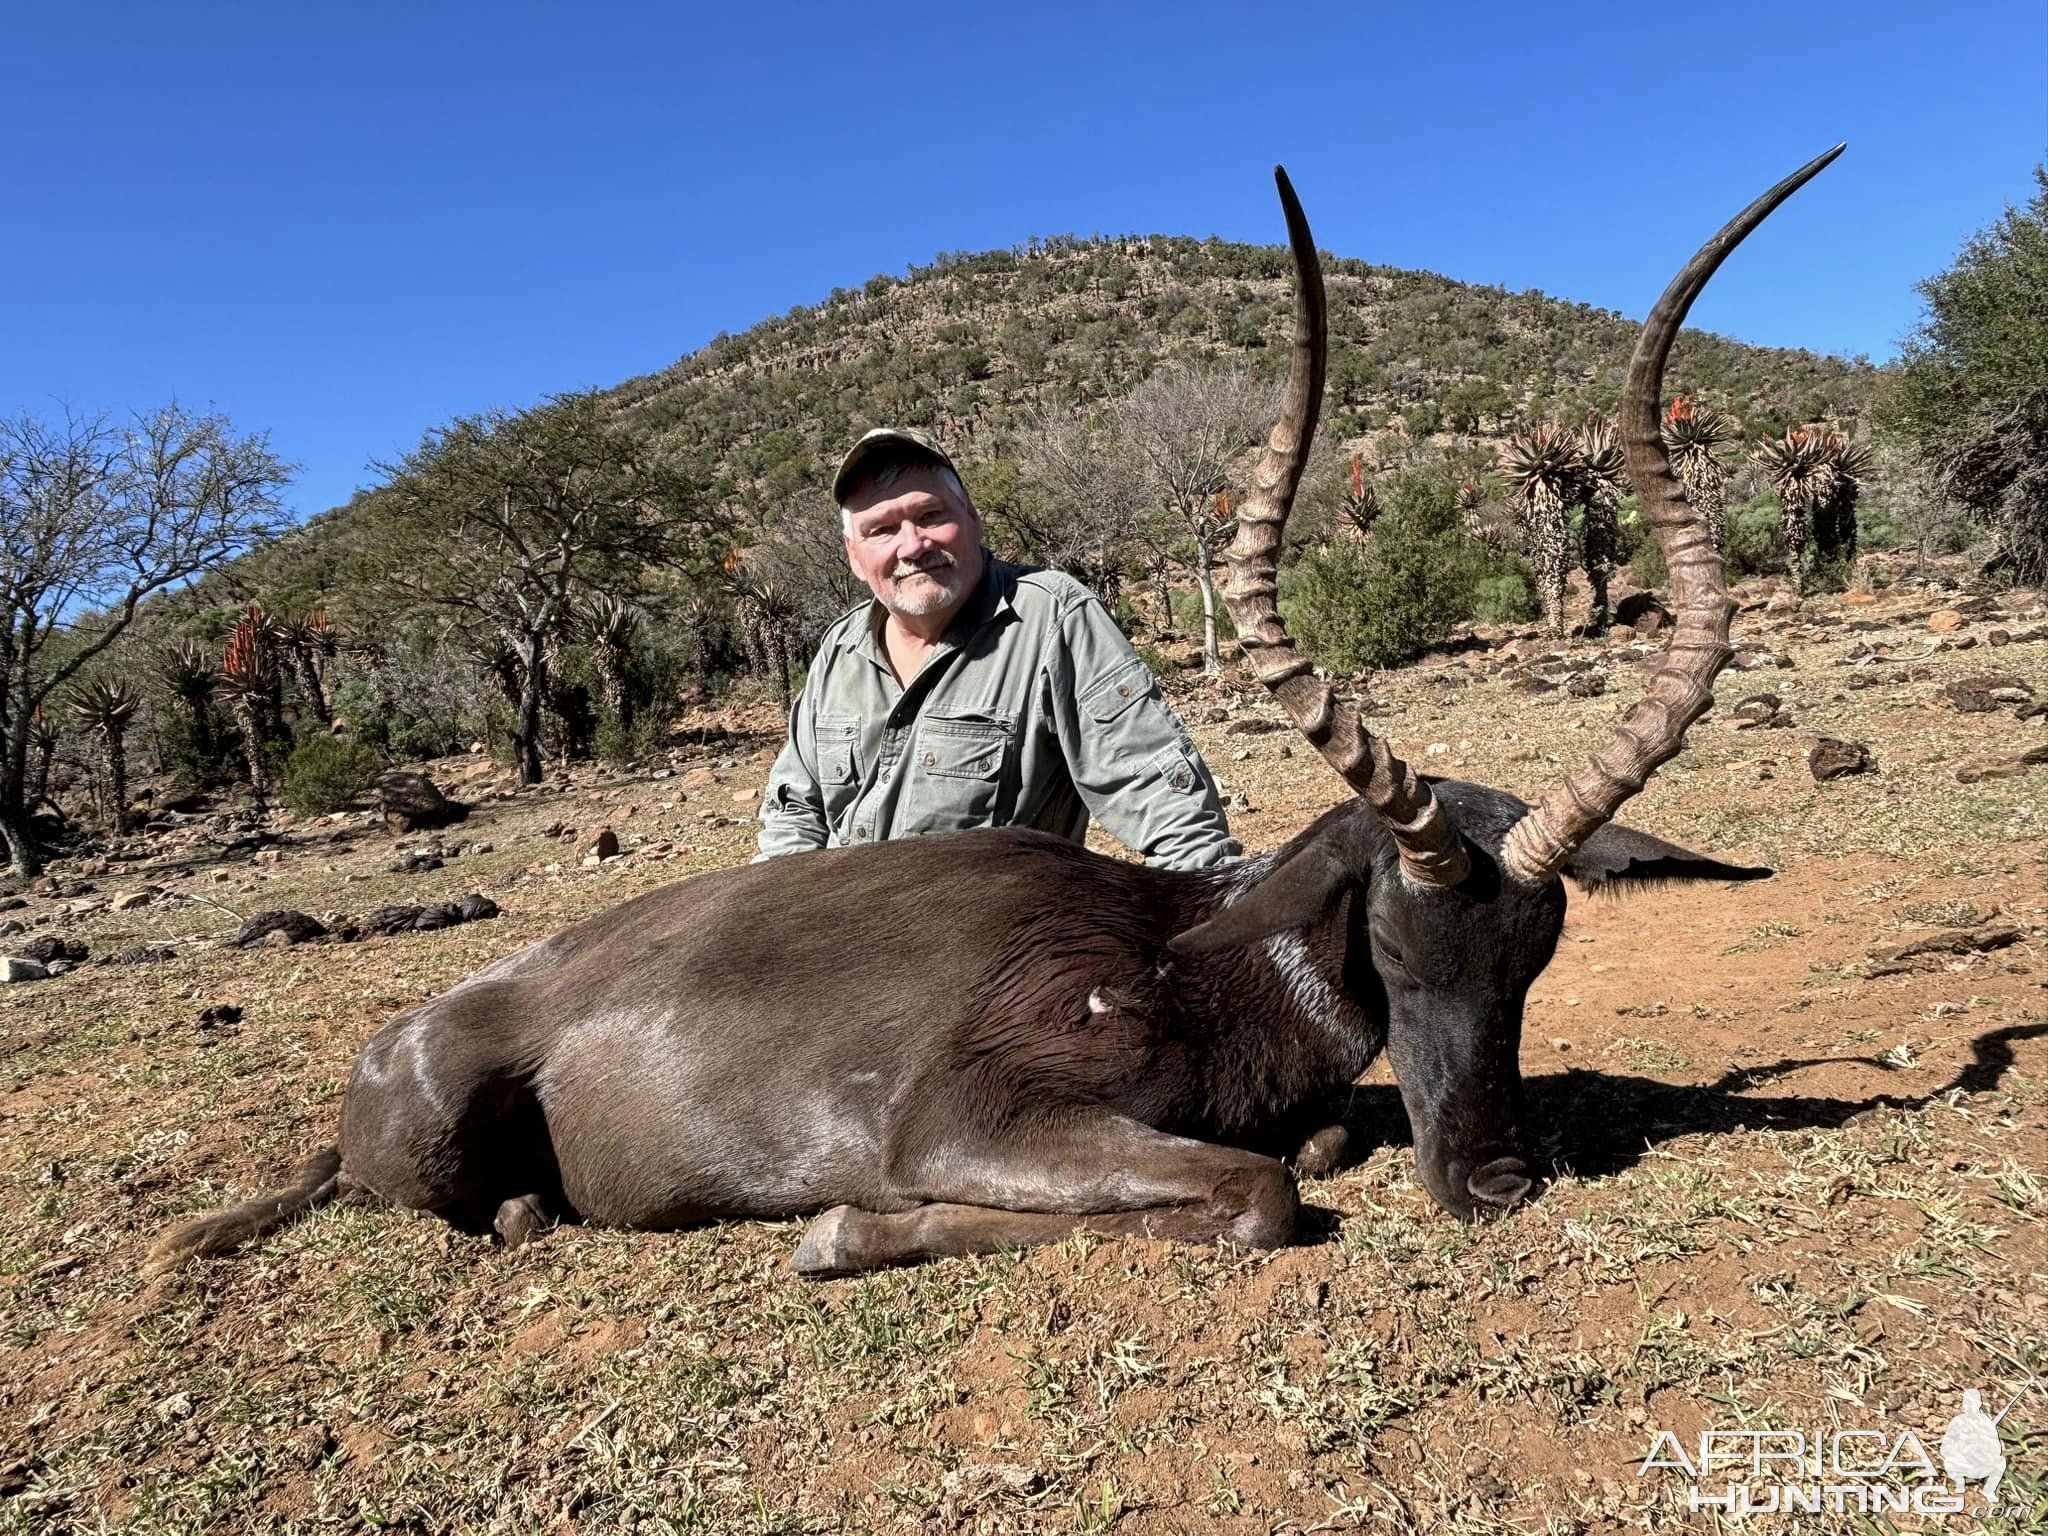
{"x": 1292, "y": 896}
{"x": 1616, "y": 859}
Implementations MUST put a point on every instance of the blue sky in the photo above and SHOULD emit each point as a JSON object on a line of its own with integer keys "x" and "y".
{"x": 346, "y": 223}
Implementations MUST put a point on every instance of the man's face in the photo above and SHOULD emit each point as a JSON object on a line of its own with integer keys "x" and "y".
{"x": 916, "y": 542}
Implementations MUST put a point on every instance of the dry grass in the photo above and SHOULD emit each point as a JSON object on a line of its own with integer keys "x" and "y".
{"x": 1781, "y": 1193}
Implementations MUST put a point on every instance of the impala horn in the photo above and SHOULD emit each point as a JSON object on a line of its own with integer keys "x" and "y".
{"x": 1431, "y": 851}
{"x": 1651, "y": 732}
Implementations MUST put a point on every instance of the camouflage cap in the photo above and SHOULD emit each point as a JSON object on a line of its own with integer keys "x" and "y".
{"x": 884, "y": 445}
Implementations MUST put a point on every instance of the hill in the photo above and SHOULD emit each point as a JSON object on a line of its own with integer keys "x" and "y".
{"x": 971, "y": 344}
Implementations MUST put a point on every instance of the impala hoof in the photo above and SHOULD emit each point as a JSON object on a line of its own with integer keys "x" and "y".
{"x": 827, "y": 1246}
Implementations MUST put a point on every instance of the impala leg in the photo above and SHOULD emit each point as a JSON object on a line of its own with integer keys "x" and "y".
{"x": 1096, "y": 1172}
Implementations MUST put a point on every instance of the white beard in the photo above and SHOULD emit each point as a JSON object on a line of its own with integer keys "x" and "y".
{"x": 923, "y": 591}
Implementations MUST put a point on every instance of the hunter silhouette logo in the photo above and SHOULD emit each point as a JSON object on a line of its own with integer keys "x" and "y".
{"x": 1970, "y": 1448}
{"x": 1868, "y": 1471}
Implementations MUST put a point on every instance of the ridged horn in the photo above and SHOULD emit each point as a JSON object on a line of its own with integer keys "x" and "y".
{"x": 1651, "y": 732}
{"x": 1430, "y": 849}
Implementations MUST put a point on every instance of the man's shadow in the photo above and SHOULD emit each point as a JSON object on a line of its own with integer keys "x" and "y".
{"x": 1589, "y": 1124}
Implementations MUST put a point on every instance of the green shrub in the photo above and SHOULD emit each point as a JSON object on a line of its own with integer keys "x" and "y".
{"x": 616, "y": 743}
{"x": 326, "y": 773}
{"x": 1507, "y": 597}
{"x": 1355, "y": 607}
{"x": 1754, "y": 545}
{"x": 1187, "y": 614}
{"x": 194, "y": 764}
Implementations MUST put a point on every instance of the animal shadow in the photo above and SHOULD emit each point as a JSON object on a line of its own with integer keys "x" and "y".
{"x": 1593, "y": 1124}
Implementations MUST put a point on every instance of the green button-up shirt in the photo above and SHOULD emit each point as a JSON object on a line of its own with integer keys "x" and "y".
{"x": 1033, "y": 711}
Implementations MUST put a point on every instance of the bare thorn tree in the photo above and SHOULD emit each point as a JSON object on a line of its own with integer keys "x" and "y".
{"x": 1177, "y": 434}
{"x": 1099, "y": 499}
{"x": 96, "y": 516}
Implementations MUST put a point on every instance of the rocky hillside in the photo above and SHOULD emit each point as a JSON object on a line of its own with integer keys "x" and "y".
{"x": 972, "y": 344}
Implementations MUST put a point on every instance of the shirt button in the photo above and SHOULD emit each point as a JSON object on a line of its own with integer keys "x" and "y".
{"x": 1179, "y": 779}
{"x": 929, "y": 760}
{"x": 1123, "y": 690}
{"x": 860, "y": 834}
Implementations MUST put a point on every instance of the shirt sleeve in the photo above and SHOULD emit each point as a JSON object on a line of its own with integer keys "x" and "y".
{"x": 1131, "y": 759}
{"x": 793, "y": 803}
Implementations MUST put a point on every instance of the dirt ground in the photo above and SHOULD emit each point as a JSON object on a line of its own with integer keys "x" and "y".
{"x": 1791, "y": 1179}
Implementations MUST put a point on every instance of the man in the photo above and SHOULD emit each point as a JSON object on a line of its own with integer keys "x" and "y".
{"x": 975, "y": 693}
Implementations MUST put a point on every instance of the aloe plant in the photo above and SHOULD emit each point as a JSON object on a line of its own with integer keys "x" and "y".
{"x": 308, "y": 639}
{"x": 1543, "y": 467}
{"x": 611, "y": 625}
{"x": 106, "y": 707}
{"x": 1693, "y": 434}
{"x": 1603, "y": 480}
{"x": 187, "y": 669}
{"x": 249, "y": 678}
{"x": 1804, "y": 478}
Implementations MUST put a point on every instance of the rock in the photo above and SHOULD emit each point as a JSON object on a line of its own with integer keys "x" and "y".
{"x": 476, "y": 908}
{"x": 1833, "y": 759}
{"x": 1765, "y": 711}
{"x": 1856, "y": 597}
{"x": 606, "y": 846}
{"x": 1999, "y": 637}
{"x": 698, "y": 778}
{"x": 47, "y": 947}
{"x": 1976, "y": 773}
{"x": 219, "y": 1016}
{"x": 294, "y": 927}
{"x": 744, "y": 796}
{"x": 1945, "y": 622}
{"x": 13, "y": 904}
{"x": 141, "y": 954}
{"x": 414, "y": 864}
{"x": 128, "y": 901}
{"x": 12, "y": 926}
{"x": 1587, "y": 685}
{"x": 1783, "y": 602}
{"x": 411, "y": 803}
{"x": 1933, "y": 951}
{"x": 1642, "y": 612}
{"x": 14, "y": 968}
{"x": 1253, "y": 725}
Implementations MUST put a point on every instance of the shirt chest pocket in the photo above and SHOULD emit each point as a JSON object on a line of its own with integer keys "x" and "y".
{"x": 958, "y": 772}
{"x": 838, "y": 761}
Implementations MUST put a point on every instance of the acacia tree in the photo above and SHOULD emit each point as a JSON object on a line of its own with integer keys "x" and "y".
{"x": 508, "y": 519}
{"x": 95, "y": 516}
{"x": 1970, "y": 396}
{"x": 1176, "y": 435}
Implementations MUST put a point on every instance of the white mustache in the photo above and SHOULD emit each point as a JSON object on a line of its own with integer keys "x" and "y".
{"x": 937, "y": 561}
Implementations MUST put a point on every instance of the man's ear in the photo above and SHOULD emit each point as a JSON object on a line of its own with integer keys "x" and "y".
{"x": 1292, "y": 896}
{"x": 1620, "y": 858}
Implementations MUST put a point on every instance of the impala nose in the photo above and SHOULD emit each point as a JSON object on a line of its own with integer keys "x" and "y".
{"x": 1502, "y": 1183}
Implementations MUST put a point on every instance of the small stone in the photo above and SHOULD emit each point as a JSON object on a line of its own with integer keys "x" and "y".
{"x": 1833, "y": 759}
{"x": 1999, "y": 637}
{"x": 278, "y": 926}
{"x": 14, "y": 968}
{"x": 697, "y": 778}
{"x": 1945, "y": 622}
{"x": 744, "y": 796}
{"x": 606, "y": 846}
{"x": 128, "y": 901}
